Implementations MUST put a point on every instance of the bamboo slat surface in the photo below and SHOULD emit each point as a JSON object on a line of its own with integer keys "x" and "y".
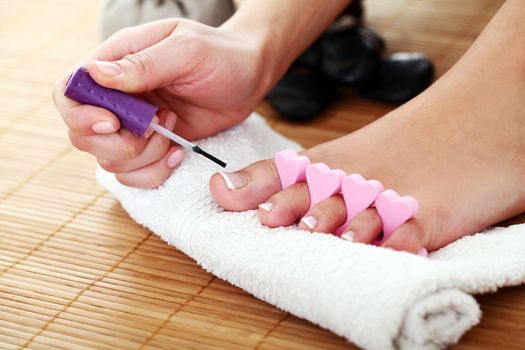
{"x": 77, "y": 273}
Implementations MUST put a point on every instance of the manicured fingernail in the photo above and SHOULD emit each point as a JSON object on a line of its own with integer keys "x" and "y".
{"x": 309, "y": 221}
{"x": 108, "y": 68}
{"x": 150, "y": 131}
{"x": 422, "y": 252}
{"x": 266, "y": 206}
{"x": 175, "y": 158}
{"x": 104, "y": 127}
{"x": 235, "y": 180}
{"x": 348, "y": 236}
{"x": 170, "y": 122}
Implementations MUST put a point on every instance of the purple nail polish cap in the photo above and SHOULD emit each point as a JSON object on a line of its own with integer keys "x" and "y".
{"x": 134, "y": 113}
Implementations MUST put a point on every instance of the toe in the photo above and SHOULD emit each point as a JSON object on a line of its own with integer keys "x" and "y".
{"x": 247, "y": 188}
{"x": 365, "y": 227}
{"x": 326, "y": 216}
{"x": 408, "y": 237}
{"x": 286, "y": 207}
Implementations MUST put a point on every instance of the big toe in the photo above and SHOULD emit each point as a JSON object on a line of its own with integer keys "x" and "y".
{"x": 246, "y": 188}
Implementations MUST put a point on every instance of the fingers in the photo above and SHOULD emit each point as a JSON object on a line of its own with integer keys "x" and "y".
{"x": 83, "y": 120}
{"x": 154, "y": 150}
{"x": 133, "y": 39}
{"x": 94, "y": 130}
{"x": 153, "y": 166}
{"x": 112, "y": 147}
{"x": 155, "y": 174}
{"x": 194, "y": 124}
{"x": 152, "y": 66}
{"x": 86, "y": 120}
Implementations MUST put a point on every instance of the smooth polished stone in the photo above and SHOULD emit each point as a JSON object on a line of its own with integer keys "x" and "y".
{"x": 301, "y": 94}
{"x": 400, "y": 77}
{"x": 352, "y": 55}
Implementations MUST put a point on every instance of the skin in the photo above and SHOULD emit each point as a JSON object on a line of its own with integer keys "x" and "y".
{"x": 458, "y": 147}
{"x": 204, "y": 79}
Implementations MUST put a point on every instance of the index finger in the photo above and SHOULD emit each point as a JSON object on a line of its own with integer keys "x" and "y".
{"x": 133, "y": 39}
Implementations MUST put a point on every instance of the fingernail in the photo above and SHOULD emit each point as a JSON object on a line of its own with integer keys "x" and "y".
{"x": 104, "y": 127}
{"x": 170, "y": 122}
{"x": 175, "y": 158}
{"x": 235, "y": 180}
{"x": 150, "y": 131}
{"x": 266, "y": 206}
{"x": 108, "y": 68}
{"x": 422, "y": 252}
{"x": 309, "y": 221}
{"x": 348, "y": 236}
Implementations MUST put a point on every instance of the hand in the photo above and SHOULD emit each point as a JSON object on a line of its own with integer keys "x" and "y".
{"x": 210, "y": 77}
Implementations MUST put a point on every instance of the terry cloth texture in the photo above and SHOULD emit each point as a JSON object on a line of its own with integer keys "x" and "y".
{"x": 375, "y": 297}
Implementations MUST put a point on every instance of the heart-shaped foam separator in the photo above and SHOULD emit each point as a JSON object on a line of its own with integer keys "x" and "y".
{"x": 394, "y": 211}
{"x": 323, "y": 182}
{"x": 359, "y": 194}
{"x": 291, "y": 167}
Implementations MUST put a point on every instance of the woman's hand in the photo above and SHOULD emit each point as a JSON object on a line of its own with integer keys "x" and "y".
{"x": 210, "y": 77}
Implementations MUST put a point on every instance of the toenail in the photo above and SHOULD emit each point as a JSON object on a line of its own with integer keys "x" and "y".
{"x": 266, "y": 206}
{"x": 348, "y": 236}
{"x": 309, "y": 221}
{"x": 235, "y": 180}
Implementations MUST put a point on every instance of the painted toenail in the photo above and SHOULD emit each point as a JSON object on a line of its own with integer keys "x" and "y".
{"x": 235, "y": 180}
{"x": 348, "y": 236}
{"x": 266, "y": 206}
{"x": 309, "y": 221}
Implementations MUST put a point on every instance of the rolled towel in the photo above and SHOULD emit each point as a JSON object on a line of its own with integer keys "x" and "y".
{"x": 374, "y": 297}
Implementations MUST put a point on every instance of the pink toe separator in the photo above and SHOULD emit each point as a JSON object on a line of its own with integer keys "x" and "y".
{"x": 394, "y": 211}
{"x": 323, "y": 182}
{"x": 359, "y": 194}
{"x": 291, "y": 167}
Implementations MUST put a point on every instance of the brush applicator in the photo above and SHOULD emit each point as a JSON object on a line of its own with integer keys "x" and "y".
{"x": 134, "y": 114}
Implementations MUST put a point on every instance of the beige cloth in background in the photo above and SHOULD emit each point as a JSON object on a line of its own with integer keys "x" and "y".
{"x": 118, "y": 14}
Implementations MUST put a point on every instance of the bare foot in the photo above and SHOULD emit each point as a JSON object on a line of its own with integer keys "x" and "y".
{"x": 459, "y": 148}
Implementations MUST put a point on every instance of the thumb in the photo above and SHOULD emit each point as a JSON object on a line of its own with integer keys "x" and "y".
{"x": 146, "y": 70}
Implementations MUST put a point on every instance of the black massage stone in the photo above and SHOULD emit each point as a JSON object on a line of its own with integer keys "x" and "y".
{"x": 301, "y": 94}
{"x": 352, "y": 55}
{"x": 399, "y": 78}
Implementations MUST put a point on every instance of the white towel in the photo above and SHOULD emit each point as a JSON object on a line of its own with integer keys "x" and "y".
{"x": 374, "y": 297}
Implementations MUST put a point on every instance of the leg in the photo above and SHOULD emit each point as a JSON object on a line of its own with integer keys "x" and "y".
{"x": 459, "y": 148}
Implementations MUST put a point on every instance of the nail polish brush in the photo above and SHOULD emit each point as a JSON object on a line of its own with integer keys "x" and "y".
{"x": 134, "y": 114}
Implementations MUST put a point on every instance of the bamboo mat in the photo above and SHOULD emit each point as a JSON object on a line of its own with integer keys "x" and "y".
{"x": 77, "y": 273}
